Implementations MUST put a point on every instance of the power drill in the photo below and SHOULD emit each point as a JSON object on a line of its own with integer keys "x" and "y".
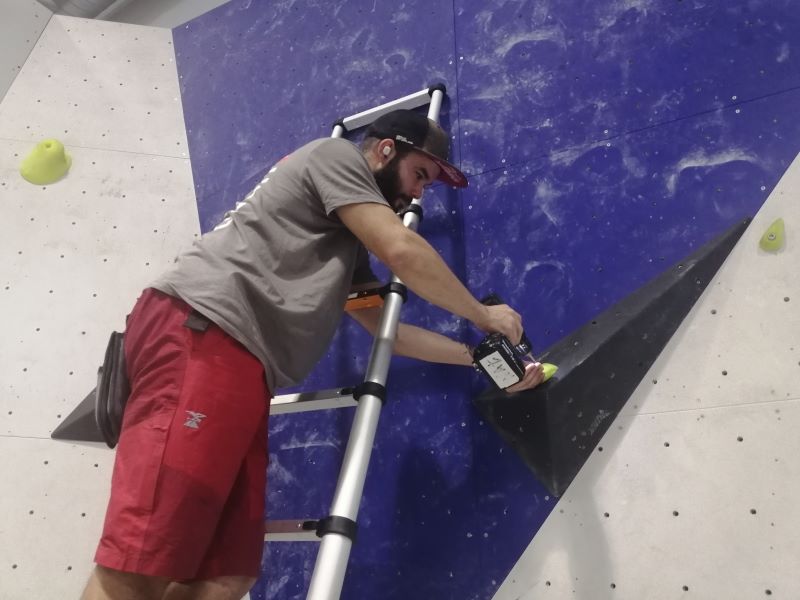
{"x": 499, "y": 359}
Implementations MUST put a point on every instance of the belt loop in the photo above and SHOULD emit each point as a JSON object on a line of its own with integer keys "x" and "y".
{"x": 196, "y": 321}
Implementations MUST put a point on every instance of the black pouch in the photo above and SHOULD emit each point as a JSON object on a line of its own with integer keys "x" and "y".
{"x": 112, "y": 391}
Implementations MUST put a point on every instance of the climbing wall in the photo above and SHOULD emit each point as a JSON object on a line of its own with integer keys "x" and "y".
{"x": 698, "y": 475}
{"x": 21, "y": 25}
{"x": 604, "y": 142}
{"x": 76, "y": 253}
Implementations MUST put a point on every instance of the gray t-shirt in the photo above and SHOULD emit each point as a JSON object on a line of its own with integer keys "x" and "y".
{"x": 275, "y": 273}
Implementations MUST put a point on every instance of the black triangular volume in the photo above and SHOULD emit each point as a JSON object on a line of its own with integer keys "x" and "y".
{"x": 81, "y": 424}
{"x": 556, "y": 426}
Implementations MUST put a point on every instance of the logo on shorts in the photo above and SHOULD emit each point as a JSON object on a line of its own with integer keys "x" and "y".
{"x": 194, "y": 419}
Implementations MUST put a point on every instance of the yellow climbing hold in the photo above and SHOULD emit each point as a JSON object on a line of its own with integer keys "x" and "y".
{"x": 773, "y": 237}
{"x": 47, "y": 163}
{"x": 549, "y": 370}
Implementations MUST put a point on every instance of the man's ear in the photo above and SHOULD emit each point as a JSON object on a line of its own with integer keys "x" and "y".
{"x": 385, "y": 149}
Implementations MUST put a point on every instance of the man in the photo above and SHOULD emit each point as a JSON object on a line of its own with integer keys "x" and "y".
{"x": 251, "y": 307}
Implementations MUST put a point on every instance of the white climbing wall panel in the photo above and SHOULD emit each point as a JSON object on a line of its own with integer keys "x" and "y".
{"x": 76, "y": 254}
{"x": 21, "y": 24}
{"x": 99, "y": 85}
{"x": 694, "y": 492}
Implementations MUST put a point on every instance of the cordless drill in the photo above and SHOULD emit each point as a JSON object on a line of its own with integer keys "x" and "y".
{"x": 500, "y": 360}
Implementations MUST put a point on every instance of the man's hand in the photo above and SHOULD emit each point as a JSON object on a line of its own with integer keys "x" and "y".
{"x": 503, "y": 319}
{"x": 534, "y": 375}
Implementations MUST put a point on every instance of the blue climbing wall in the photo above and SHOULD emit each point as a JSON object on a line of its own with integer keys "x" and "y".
{"x": 604, "y": 141}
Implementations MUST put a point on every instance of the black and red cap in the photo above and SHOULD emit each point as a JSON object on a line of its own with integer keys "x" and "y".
{"x": 423, "y": 135}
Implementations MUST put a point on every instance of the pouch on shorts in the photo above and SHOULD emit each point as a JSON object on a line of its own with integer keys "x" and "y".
{"x": 113, "y": 390}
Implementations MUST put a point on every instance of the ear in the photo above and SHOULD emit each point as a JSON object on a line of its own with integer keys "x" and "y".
{"x": 385, "y": 148}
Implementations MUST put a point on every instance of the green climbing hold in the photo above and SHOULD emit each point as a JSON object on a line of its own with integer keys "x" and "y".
{"x": 47, "y": 163}
{"x": 549, "y": 370}
{"x": 773, "y": 237}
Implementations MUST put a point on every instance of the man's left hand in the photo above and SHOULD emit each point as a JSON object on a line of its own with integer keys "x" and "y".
{"x": 534, "y": 375}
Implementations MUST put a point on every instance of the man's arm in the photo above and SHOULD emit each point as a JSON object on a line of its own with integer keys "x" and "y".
{"x": 416, "y": 342}
{"x": 422, "y": 344}
{"x": 421, "y": 268}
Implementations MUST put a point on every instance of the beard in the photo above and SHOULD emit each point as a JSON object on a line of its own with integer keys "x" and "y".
{"x": 388, "y": 180}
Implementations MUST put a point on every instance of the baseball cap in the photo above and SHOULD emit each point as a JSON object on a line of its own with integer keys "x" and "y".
{"x": 423, "y": 135}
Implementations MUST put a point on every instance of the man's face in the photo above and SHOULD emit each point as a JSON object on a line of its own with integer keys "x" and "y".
{"x": 403, "y": 179}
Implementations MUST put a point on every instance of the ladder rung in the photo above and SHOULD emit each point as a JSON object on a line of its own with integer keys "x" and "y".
{"x": 409, "y": 102}
{"x": 292, "y": 530}
{"x": 322, "y": 400}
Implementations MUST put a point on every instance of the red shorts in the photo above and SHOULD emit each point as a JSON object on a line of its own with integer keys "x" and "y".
{"x": 189, "y": 482}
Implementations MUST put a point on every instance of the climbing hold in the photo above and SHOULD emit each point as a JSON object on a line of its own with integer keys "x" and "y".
{"x": 549, "y": 370}
{"x": 47, "y": 163}
{"x": 773, "y": 237}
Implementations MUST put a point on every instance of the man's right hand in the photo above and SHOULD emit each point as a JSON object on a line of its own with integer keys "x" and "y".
{"x": 503, "y": 319}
